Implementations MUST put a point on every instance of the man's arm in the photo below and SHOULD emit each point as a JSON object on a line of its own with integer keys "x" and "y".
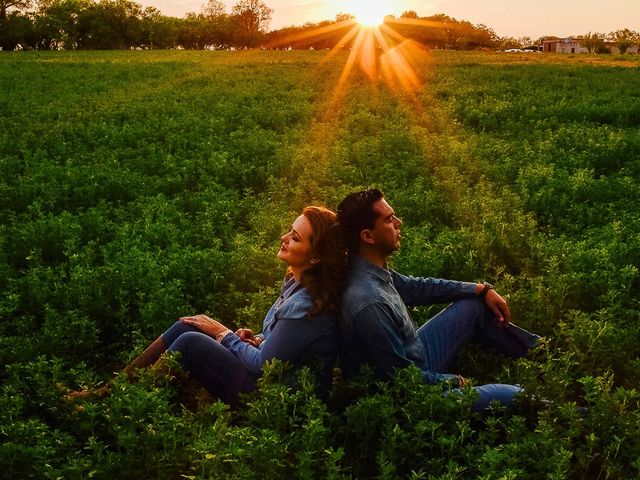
{"x": 495, "y": 303}
{"x": 426, "y": 291}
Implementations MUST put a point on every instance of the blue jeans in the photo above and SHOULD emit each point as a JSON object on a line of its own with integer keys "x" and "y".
{"x": 446, "y": 333}
{"x": 215, "y": 367}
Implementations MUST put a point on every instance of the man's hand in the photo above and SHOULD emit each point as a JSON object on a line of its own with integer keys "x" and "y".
{"x": 247, "y": 336}
{"x": 499, "y": 307}
{"x": 205, "y": 324}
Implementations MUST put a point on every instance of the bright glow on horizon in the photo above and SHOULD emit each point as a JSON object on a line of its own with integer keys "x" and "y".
{"x": 368, "y": 14}
{"x": 381, "y": 53}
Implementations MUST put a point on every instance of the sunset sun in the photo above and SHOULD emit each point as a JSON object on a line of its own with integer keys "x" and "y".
{"x": 368, "y": 14}
{"x": 366, "y": 31}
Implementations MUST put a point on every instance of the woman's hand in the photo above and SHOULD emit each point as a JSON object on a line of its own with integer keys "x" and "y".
{"x": 247, "y": 336}
{"x": 205, "y": 324}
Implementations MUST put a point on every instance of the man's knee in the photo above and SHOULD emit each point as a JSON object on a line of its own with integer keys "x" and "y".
{"x": 470, "y": 307}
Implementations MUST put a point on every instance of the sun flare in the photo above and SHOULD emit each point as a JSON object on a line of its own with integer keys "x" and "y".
{"x": 368, "y": 14}
{"x": 372, "y": 43}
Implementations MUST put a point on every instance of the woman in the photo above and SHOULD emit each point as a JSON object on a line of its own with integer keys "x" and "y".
{"x": 300, "y": 327}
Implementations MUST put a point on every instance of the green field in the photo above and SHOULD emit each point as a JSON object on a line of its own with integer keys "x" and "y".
{"x": 136, "y": 187}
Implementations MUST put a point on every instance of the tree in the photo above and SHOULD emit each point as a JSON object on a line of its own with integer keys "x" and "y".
{"x": 213, "y": 9}
{"x": 110, "y": 24}
{"x": 5, "y": 5}
{"x": 409, "y": 14}
{"x": 58, "y": 23}
{"x": 525, "y": 41}
{"x": 156, "y": 30}
{"x": 345, "y": 17}
{"x": 254, "y": 17}
{"x": 624, "y": 39}
{"x": 17, "y": 29}
{"x": 594, "y": 42}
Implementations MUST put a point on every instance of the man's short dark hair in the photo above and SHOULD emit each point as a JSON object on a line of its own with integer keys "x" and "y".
{"x": 356, "y": 213}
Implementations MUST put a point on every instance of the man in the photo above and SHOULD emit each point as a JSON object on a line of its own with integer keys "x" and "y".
{"x": 377, "y": 328}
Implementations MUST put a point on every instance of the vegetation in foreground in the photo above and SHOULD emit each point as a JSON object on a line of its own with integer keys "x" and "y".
{"x": 139, "y": 186}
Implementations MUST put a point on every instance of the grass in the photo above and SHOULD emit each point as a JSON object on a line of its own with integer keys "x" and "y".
{"x": 136, "y": 187}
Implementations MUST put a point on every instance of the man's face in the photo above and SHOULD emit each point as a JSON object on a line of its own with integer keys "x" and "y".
{"x": 385, "y": 234}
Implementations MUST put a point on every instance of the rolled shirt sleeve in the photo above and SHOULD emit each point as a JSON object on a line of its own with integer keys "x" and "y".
{"x": 425, "y": 291}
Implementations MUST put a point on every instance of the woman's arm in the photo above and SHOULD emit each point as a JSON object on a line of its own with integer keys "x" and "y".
{"x": 206, "y": 325}
{"x": 289, "y": 340}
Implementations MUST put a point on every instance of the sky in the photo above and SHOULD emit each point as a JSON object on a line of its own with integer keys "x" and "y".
{"x": 512, "y": 18}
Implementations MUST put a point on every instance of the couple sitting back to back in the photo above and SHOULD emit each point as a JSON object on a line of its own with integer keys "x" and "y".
{"x": 337, "y": 272}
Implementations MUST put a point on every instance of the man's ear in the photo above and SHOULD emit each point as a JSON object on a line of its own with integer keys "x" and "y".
{"x": 367, "y": 237}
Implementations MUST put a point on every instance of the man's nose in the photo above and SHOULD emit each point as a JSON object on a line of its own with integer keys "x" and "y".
{"x": 397, "y": 220}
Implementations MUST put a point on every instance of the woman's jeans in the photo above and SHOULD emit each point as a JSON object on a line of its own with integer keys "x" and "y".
{"x": 444, "y": 335}
{"x": 215, "y": 367}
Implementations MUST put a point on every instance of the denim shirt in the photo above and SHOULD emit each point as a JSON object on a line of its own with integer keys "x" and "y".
{"x": 289, "y": 334}
{"x": 377, "y": 328}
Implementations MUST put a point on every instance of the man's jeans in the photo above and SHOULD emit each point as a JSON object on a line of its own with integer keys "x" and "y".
{"x": 215, "y": 367}
{"x": 446, "y": 333}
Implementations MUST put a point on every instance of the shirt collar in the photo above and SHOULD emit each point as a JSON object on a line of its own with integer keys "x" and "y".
{"x": 289, "y": 287}
{"x": 361, "y": 264}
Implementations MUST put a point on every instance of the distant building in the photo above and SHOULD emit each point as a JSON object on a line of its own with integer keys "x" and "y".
{"x": 565, "y": 45}
{"x": 613, "y": 48}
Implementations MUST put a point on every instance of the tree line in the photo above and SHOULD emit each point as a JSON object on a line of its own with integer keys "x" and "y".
{"x": 125, "y": 24}
{"x": 437, "y": 31}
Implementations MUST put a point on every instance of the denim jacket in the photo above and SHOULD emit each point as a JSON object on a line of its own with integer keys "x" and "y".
{"x": 291, "y": 335}
{"x": 377, "y": 328}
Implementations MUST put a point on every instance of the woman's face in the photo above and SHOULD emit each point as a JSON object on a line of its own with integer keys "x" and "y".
{"x": 295, "y": 249}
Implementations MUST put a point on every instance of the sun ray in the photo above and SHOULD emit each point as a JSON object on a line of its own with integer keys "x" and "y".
{"x": 353, "y": 56}
{"x": 381, "y": 53}
{"x": 350, "y": 35}
{"x": 314, "y": 33}
{"x": 416, "y": 22}
{"x": 396, "y": 62}
{"x": 367, "y": 53}
{"x": 392, "y": 33}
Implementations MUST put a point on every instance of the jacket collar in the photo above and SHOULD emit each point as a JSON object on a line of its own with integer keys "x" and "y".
{"x": 289, "y": 287}
{"x": 357, "y": 262}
